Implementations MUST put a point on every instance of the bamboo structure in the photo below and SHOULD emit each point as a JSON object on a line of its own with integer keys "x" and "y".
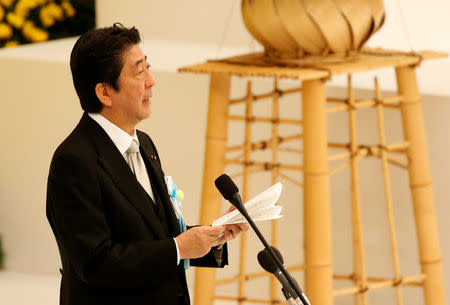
{"x": 216, "y": 139}
{"x": 420, "y": 183}
{"x": 359, "y": 266}
{"x": 275, "y": 176}
{"x": 316, "y": 198}
{"x": 310, "y": 130}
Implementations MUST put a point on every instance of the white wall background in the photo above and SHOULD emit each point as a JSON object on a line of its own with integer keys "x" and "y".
{"x": 40, "y": 108}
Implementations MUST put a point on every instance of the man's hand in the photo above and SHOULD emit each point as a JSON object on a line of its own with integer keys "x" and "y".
{"x": 233, "y": 230}
{"x": 197, "y": 241}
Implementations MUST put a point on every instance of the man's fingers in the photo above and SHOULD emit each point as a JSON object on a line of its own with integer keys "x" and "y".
{"x": 227, "y": 235}
{"x": 234, "y": 230}
{"x": 221, "y": 241}
{"x": 215, "y": 230}
{"x": 243, "y": 226}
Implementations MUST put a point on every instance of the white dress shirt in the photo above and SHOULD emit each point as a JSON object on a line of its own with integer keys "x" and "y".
{"x": 122, "y": 140}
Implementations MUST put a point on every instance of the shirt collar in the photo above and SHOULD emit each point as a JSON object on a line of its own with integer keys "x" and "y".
{"x": 120, "y": 138}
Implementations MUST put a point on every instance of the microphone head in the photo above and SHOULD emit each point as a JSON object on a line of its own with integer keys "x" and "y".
{"x": 226, "y": 186}
{"x": 266, "y": 260}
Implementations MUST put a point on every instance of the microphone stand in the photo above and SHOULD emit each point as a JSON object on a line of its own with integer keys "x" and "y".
{"x": 288, "y": 297}
{"x": 244, "y": 213}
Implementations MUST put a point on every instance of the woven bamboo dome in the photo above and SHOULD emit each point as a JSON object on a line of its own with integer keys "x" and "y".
{"x": 292, "y": 28}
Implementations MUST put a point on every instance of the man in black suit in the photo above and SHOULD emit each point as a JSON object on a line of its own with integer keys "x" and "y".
{"x": 117, "y": 232}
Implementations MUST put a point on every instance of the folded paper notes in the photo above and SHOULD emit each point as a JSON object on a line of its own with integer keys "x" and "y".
{"x": 260, "y": 207}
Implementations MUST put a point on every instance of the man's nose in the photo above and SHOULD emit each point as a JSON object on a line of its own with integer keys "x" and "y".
{"x": 150, "y": 81}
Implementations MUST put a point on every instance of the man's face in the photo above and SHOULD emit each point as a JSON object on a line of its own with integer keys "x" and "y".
{"x": 132, "y": 101}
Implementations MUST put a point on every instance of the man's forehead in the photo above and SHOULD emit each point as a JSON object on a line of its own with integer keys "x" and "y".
{"x": 134, "y": 56}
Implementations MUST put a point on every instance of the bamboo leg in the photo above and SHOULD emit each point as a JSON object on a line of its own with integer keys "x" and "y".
{"x": 214, "y": 163}
{"x": 245, "y": 189}
{"x": 317, "y": 218}
{"x": 420, "y": 182}
{"x": 275, "y": 177}
{"x": 359, "y": 266}
{"x": 388, "y": 194}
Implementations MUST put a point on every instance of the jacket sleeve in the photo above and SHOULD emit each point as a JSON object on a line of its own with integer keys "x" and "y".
{"x": 216, "y": 258}
{"x": 76, "y": 212}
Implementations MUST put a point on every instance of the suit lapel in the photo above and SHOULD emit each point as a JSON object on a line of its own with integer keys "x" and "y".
{"x": 120, "y": 173}
{"x": 156, "y": 173}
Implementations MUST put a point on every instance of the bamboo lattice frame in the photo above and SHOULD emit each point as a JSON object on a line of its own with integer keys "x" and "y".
{"x": 318, "y": 276}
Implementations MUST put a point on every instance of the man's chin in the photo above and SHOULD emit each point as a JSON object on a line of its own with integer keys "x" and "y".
{"x": 145, "y": 114}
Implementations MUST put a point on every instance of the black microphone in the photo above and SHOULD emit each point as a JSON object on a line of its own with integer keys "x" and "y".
{"x": 230, "y": 192}
{"x": 267, "y": 263}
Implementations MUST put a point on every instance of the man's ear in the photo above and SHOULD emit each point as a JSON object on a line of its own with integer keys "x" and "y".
{"x": 102, "y": 91}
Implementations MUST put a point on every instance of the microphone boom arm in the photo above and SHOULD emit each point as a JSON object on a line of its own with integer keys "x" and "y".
{"x": 300, "y": 294}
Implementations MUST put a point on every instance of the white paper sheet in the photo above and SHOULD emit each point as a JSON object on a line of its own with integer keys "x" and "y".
{"x": 260, "y": 207}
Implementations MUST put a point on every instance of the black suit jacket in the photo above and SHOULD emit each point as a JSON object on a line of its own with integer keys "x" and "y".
{"x": 114, "y": 247}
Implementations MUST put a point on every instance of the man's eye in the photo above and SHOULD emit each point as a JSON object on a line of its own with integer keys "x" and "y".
{"x": 147, "y": 67}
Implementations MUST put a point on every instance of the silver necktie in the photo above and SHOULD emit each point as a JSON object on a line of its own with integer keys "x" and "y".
{"x": 138, "y": 167}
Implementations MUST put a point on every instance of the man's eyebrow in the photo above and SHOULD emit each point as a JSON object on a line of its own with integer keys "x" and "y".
{"x": 140, "y": 61}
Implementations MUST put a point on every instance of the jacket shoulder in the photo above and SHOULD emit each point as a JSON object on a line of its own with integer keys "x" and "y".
{"x": 77, "y": 146}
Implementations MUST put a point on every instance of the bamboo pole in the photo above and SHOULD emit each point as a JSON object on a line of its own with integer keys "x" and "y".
{"x": 216, "y": 138}
{"x": 418, "y": 279}
{"x": 400, "y": 146}
{"x": 336, "y": 100}
{"x": 359, "y": 265}
{"x": 338, "y": 168}
{"x": 246, "y": 188}
{"x": 266, "y": 143}
{"x": 274, "y": 295}
{"x": 316, "y": 203}
{"x": 248, "y": 300}
{"x": 256, "y": 275}
{"x": 379, "y": 285}
{"x": 266, "y": 95}
{"x": 420, "y": 182}
{"x": 340, "y": 156}
{"x": 290, "y": 179}
{"x": 252, "y": 171}
{"x": 265, "y": 119}
{"x": 265, "y": 165}
{"x": 388, "y": 194}
{"x": 390, "y": 102}
{"x": 397, "y": 162}
{"x": 338, "y": 145}
{"x": 290, "y": 150}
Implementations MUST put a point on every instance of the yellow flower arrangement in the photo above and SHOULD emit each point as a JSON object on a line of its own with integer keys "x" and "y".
{"x": 2, "y": 13}
{"x": 50, "y": 14}
{"x": 23, "y": 21}
{"x": 6, "y": 3}
{"x": 11, "y": 44}
{"x": 15, "y": 20}
{"x": 5, "y": 31}
{"x": 34, "y": 34}
{"x": 68, "y": 8}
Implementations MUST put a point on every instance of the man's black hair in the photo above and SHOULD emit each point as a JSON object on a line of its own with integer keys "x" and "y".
{"x": 97, "y": 57}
